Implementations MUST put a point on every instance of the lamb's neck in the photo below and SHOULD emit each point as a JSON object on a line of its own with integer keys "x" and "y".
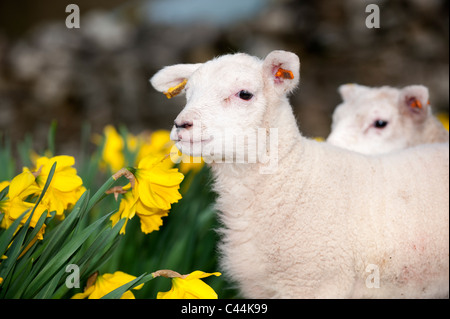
{"x": 282, "y": 136}
{"x": 282, "y": 119}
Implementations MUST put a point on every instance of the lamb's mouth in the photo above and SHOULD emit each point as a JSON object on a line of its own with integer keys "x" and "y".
{"x": 191, "y": 142}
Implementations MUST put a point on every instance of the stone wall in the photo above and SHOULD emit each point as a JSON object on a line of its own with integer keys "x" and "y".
{"x": 99, "y": 73}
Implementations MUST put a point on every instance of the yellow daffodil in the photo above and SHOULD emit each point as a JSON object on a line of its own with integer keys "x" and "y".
{"x": 187, "y": 286}
{"x": 127, "y": 209}
{"x": 151, "y": 218}
{"x": 156, "y": 144}
{"x": 105, "y": 284}
{"x": 66, "y": 186}
{"x": 133, "y": 142}
{"x": 159, "y": 144}
{"x": 21, "y": 187}
{"x": 154, "y": 188}
{"x": 112, "y": 154}
{"x": 187, "y": 163}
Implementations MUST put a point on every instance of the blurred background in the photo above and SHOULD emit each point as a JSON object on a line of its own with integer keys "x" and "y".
{"x": 98, "y": 74}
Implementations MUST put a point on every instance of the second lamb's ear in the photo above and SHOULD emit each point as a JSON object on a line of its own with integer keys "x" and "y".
{"x": 413, "y": 101}
{"x": 281, "y": 71}
{"x": 172, "y": 79}
{"x": 350, "y": 90}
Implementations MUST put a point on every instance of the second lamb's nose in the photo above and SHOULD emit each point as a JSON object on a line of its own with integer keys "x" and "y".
{"x": 184, "y": 124}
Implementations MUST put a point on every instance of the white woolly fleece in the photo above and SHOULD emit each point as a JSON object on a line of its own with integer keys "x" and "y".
{"x": 314, "y": 228}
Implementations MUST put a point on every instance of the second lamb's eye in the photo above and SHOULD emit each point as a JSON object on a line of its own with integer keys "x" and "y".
{"x": 380, "y": 123}
{"x": 244, "y": 95}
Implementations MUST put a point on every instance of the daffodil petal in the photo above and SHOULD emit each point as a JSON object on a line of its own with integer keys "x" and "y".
{"x": 115, "y": 218}
{"x": 149, "y": 162}
{"x": 47, "y": 163}
{"x": 150, "y": 223}
{"x": 171, "y": 294}
{"x": 20, "y": 183}
{"x": 201, "y": 274}
{"x": 113, "y": 148}
{"x": 168, "y": 194}
{"x": 188, "y": 289}
{"x": 158, "y": 175}
{"x": 18, "y": 207}
{"x": 108, "y": 282}
{"x": 198, "y": 289}
{"x": 160, "y": 139}
{"x": 84, "y": 294}
{"x": 66, "y": 183}
{"x": 150, "y": 198}
{"x": 128, "y": 295}
{"x": 3, "y": 185}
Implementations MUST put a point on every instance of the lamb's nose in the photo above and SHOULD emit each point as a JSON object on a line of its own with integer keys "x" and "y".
{"x": 184, "y": 124}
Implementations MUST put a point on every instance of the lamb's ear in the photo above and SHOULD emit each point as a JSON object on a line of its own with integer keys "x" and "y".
{"x": 171, "y": 80}
{"x": 281, "y": 71}
{"x": 350, "y": 90}
{"x": 413, "y": 101}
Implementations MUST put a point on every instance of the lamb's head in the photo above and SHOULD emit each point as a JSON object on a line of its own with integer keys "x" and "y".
{"x": 226, "y": 98}
{"x": 379, "y": 120}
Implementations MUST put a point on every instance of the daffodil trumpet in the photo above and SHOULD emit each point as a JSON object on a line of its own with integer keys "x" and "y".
{"x": 152, "y": 189}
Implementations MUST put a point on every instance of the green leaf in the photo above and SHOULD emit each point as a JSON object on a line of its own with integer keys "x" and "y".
{"x": 100, "y": 260}
{"x": 14, "y": 250}
{"x": 95, "y": 252}
{"x": 8, "y": 234}
{"x": 61, "y": 258}
{"x": 60, "y": 234}
{"x": 36, "y": 229}
{"x": 56, "y": 239}
{"x": 47, "y": 291}
{"x": 47, "y": 184}
{"x": 4, "y": 192}
{"x": 96, "y": 264}
{"x": 21, "y": 271}
{"x": 103, "y": 239}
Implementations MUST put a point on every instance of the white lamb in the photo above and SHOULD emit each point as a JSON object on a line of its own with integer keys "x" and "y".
{"x": 329, "y": 223}
{"x": 384, "y": 119}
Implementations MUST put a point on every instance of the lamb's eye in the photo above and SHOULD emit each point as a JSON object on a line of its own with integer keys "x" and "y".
{"x": 380, "y": 123}
{"x": 245, "y": 95}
